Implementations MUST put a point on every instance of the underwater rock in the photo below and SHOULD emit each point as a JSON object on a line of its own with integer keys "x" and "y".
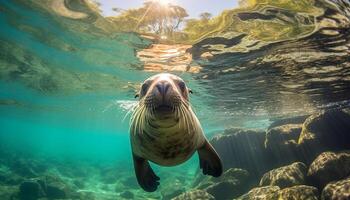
{"x": 232, "y": 183}
{"x": 8, "y": 192}
{"x": 337, "y": 190}
{"x": 299, "y": 192}
{"x": 79, "y": 183}
{"x": 9, "y": 178}
{"x": 195, "y": 195}
{"x": 110, "y": 177}
{"x": 56, "y": 188}
{"x": 172, "y": 189}
{"x": 130, "y": 182}
{"x": 225, "y": 189}
{"x": 244, "y": 149}
{"x": 32, "y": 189}
{"x": 127, "y": 195}
{"x": 261, "y": 193}
{"x": 325, "y": 131}
{"x": 86, "y": 195}
{"x": 281, "y": 142}
{"x": 24, "y": 167}
{"x": 329, "y": 166}
{"x": 286, "y": 176}
{"x": 286, "y": 121}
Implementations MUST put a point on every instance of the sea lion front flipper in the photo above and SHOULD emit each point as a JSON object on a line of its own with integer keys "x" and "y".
{"x": 209, "y": 160}
{"x": 146, "y": 178}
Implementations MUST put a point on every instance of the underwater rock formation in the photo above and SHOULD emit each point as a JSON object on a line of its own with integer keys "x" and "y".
{"x": 172, "y": 189}
{"x": 194, "y": 195}
{"x": 281, "y": 142}
{"x": 32, "y": 189}
{"x": 337, "y": 190}
{"x": 329, "y": 166}
{"x": 232, "y": 183}
{"x": 327, "y": 130}
{"x": 285, "y": 176}
{"x": 256, "y": 152}
{"x": 261, "y": 193}
{"x": 242, "y": 149}
{"x": 299, "y": 192}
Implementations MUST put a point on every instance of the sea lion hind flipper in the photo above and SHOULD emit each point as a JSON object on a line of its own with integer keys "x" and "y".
{"x": 209, "y": 160}
{"x": 145, "y": 175}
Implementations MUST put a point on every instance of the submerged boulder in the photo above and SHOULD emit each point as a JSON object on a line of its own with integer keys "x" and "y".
{"x": 195, "y": 195}
{"x": 337, "y": 190}
{"x": 281, "y": 142}
{"x": 32, "y": 189}
{"x": 287, "y": 121}
{"x": 325, "y": 131}
{"x": 299, "y": 192}
{"x": 127, "y": 195}
{"x": 9, "y": 178}
{"x": 232, "y": 183}
{"x": 56, "y": 188}
{"x": 49, "y": 186}
{"x": 286, "y": 176}
{"x": 172, "y": 189}
{"x": 329, "y": 166}
{"x": 242, "y": 149}
{"x": 261, "y": 193}
{"x": 8, "y": 192}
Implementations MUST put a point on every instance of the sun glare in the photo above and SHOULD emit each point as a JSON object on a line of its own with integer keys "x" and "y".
{"x": 163, "y": 2}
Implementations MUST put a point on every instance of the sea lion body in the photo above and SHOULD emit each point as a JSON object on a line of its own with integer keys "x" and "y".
{"x": 165, "y": 130}
{"x": 167, "y": 141}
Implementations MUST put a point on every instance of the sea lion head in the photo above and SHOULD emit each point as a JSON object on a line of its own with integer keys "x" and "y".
{"x": 164, "y": 93}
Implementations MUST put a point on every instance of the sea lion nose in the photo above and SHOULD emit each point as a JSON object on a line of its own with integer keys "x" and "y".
{"x": 163, "y": 87}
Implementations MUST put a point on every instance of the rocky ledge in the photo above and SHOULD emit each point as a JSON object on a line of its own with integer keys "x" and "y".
{"x": 291, "y": 160}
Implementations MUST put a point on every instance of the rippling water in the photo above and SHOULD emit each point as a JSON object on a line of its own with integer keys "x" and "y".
{"x": 67, "y": 78}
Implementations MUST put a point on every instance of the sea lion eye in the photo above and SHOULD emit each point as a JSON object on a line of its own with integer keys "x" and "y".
{"x": 182, "y": 85}
{"x": 144, "y": 88}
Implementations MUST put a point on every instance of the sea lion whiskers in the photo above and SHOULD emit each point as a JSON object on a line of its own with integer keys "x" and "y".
{"x": 130, "y": 111}
{"x": 137, "y": 119}
{"x": 185, "y": 117}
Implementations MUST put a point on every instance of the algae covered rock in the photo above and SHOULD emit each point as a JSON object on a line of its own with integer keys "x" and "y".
{"x": 329, "y": 166}
{"x": 32, "y": 189}
{"x": 232, "y": 183}
{"x": 337, "y": 190}
{"x": 9, "y": 178}
{"x": 244, "y": 149}
{"x": 286, "y": 176}
{"x": 172, "y": 189}
{"x": 283, "y": 135}
{"x": 51, "y": 187}
{"x": 127, "y": 195}
{"x": 261, "y": 193}
{"x": 327, "y": 130}
{"x": 281, "y": 142}
{"x": 195, "y": 195}
{"x": 8, "y": 192}
{"x": 299, "y": 192}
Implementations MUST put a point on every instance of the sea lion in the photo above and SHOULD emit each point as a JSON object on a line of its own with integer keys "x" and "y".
{"x": 165, "y": 130}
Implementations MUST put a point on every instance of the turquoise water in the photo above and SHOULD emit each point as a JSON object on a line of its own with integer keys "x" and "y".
{"x": 66, "y": 87}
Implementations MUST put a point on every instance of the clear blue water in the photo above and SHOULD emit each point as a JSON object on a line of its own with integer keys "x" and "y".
{"x": 66, "y": 88}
